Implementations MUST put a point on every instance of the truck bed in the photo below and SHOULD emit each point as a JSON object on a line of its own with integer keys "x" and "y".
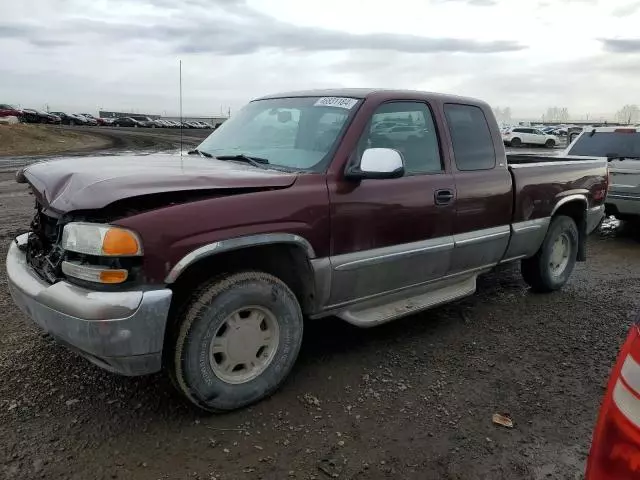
{"x": 541, "y": 182}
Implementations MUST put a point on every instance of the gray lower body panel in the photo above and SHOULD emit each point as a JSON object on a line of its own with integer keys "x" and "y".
{"x": 626, "y": 204}
{"x": 371, "y": 272}
{"x": 120, "y": 331}
{"x": 526, "y": 238}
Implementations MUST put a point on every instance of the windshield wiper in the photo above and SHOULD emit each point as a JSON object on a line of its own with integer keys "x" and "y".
{"x": 195, "y": 151}
{"x": 255, "y": 161}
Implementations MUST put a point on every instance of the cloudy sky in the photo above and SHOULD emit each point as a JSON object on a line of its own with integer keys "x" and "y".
{"x": 81, "y": 55}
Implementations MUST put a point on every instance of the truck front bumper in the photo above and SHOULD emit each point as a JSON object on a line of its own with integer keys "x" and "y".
{"x": 120, "y": 331}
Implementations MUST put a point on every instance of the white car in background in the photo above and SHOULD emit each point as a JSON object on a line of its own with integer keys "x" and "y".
{"x": 621, "y": 145}
{"x": 517, "y": 136}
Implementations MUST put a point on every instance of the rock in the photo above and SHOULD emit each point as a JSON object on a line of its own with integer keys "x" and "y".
{"x": 37, "y": 465}
{"x": 72, "y": 401}
{"x": 311, "y": 399}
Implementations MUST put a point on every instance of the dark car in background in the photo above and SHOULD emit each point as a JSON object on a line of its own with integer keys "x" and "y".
{"x": 7, "y": 110}
{"x": 145, "y": 121}
{"x": 30, "y": 115}
{"x": 71, "y": 119}
{"x": 92, "y": 122}
{"x": 126, "y": 122}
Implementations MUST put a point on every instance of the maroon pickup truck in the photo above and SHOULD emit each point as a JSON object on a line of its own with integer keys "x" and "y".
{"x": 363, "y": 204}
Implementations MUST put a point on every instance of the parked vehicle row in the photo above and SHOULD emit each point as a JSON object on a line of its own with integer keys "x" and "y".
{"x": 29, "y": 115}
{"x": 139, "y": 121}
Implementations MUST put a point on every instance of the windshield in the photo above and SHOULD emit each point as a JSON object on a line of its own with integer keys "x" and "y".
{"x": 602, "y": 144}
{"x": 295, "y": 133}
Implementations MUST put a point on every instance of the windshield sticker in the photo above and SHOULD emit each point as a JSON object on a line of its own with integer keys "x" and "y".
{"x": 340, "y": 102}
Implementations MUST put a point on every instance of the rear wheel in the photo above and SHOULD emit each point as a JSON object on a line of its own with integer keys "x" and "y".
{"x": 550, "y": 143}
{"x": 551, "y": 267}
{"x": 72, "y": 123}
{"x": 237, "y": 341}
{"x": 516, "y": 142}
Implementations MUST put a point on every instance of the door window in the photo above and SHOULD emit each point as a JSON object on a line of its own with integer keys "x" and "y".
{"x": 407, "y": 127}
{"x": 471, "y": 137}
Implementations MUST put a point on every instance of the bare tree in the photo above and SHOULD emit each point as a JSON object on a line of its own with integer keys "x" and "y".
{"x": 557, "y": 114}
{"x": 628, "y": 114}
{"x": 503, "y": 115}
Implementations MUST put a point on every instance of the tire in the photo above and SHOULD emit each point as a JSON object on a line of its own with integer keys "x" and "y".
{"x": 201, "y": 375}
{"x": 135, "y": 125}
{"x": 71, "y": 123}
{"x": 550, "y": 143}
{"x": 516, "y": 142}
{"x": 544, "y": 272}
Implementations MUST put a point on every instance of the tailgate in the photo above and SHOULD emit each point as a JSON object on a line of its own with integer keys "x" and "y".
{"x": 625, "y": 178}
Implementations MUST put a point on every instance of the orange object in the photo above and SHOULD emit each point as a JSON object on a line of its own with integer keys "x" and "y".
{"x": 119, "y": 242}
{"x": 113, "y": 276}
{"x": 615, "y": 449}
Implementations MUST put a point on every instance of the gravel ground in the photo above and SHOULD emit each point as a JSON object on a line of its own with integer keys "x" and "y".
{"x": 412, "y": 399}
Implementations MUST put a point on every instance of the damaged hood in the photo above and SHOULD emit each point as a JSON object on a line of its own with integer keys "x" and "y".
{"x": 86, "y": 183}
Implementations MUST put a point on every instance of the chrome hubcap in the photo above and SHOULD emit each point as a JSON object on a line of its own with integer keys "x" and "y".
{"x": 244, "y": 344}
{"x": 559, "y": 258}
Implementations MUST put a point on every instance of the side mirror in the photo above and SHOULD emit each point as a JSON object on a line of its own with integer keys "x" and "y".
{"x": 378, "y": 163}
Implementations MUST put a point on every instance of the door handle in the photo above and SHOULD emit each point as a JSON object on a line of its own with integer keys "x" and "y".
{"x": 443, "y": 197}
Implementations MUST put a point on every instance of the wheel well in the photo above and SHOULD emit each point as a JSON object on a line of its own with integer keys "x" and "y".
{"x": 287, "y": 262}
{"x": 576, "y": 209}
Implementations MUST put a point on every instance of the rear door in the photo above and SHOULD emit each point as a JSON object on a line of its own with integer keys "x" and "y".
{"x": 484, "y": 199}
{"x": 394, "y": 233}
{"x": 520, "y": 133}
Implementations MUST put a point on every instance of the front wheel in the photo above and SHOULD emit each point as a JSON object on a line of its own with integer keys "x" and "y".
{"x": 550, "y": 143}
{"x": 237, "y": 341}
{"x": 550, "y": 268}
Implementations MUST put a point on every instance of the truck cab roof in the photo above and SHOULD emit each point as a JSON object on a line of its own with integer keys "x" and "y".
{"x": 364, "y": 93}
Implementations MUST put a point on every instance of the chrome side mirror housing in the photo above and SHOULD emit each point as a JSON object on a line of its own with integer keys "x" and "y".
{"x": 378, "y": 163}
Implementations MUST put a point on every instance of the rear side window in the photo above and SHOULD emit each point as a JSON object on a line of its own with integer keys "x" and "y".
{"x": 603, "y": 144}
{"x": 471, "y": 137}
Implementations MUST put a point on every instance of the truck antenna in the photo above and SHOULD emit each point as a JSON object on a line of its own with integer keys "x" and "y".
{"x": 181, "y": 108}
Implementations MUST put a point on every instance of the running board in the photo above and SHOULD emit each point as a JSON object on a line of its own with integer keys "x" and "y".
{"x": 372, "y": 315}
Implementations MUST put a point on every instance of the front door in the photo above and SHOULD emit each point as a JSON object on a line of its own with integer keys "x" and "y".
{"x": 394, "y": 233}
{"x": 539, "y": 137}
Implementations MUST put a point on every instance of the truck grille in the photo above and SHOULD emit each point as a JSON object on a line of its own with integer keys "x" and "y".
{"x": 43, "y": 251}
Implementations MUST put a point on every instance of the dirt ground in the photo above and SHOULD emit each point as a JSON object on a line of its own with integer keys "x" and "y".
{"x": 409, "y": 400}
{"x": 24, "y": 143}
{"x": 28, "y": 139}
